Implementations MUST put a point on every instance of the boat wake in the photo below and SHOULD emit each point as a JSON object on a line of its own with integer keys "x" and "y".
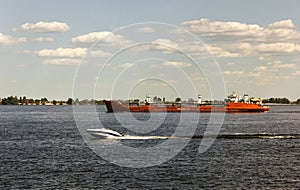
{"x": 250, "y": 136}
{"x": 105, "y": 133}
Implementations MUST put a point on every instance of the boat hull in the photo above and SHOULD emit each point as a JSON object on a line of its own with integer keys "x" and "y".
{"x": 117, "y": 106}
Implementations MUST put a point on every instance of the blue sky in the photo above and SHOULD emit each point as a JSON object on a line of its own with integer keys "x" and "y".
{"x": 125, "y": 49}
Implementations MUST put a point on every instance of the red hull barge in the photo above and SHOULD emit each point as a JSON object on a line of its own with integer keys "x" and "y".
{"x": 117, "y": 106}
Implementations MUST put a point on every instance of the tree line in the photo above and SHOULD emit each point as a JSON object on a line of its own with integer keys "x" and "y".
{"x": 280, "y": 101}
{"x": 14, "y": 100}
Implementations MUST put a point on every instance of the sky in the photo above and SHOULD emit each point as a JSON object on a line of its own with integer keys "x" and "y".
{"x": 127, "y": 49}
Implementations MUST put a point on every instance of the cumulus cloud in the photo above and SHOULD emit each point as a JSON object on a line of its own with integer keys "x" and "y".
{"x": 99, "y": 53}
{"x": 220, "y": 30}
{"x": 62, "y": 52}
{"x": 195, "y": 48}
{"x": 62, "y": 61}
{"x": 261, "y": 68}
{"x": 277, "y": 64}
{"x": 282, "y": 24}
{"x": 164, "y": 45}
{"x": 219, "y": 52}
{"x": 43, "y": 27}
{"x": 168, "y": 46}
{"x": 166, "y": 42}
{"x": 233, "y": 73}
{"x": 297, "y": 73}
{"x": 285, "y": 66}
{"x": 235, "y": 39}
{"x": 71, "y": 53}
{"x": 6, "y": 40}
{"x": 278, "y": 48}
{"x": 274, "y": 70}
{"x": 258, "y": 49}
{"x": 41, "y": 39}
{"x": 101, "y": 37}
{"x": 146, "y": 30}
{"x": 177, "y": 64}
{"x": 123, "y": 66}
{"x": 210, "y": 28}
{"x": 240, "y": 48}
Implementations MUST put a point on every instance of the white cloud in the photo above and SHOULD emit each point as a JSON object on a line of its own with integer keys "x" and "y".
{"x": 261, "y": 68}
{"x": 62, "y": 52}
{"x": 273, "y": 71}
{"x": 146, "y": 30}
{"x": 41, "y": 39}
{"x": 62, "y": 61}
{"x": 211, "y": 28}
{"x": 127, "y": 65}
{"x": 101, "y": 37}
{"x": 282, "y": 24}
{"x": 166, "y": 42}
{"x": 168, "y": 46}
{"x": 285, "y": 66}
{"x": 207, "y": 50}
{"x": 71, "y": 53}
{"x": 6, "y": 40}
{"x": 219, "y": 52}
{"x": 226, "y": 31}
{"x": 177, "y": 64}
{"x": 99, "y": 53}
{"x": 278, "y": 48}
{"x": 45, "y": 27}
{"x": 240, "y": 48}
{"x": 297, "y": 73}
{"x": 277, "y": 64}
{"x": 261, "y": 58}
{"x": 124, "y": 66}
{"x": 279, "y": 35}
{"x": 233, "y": 73}
{"x": 165, "y": 45}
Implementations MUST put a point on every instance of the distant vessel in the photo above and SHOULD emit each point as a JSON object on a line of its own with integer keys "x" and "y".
{"x": 232, "y": 104}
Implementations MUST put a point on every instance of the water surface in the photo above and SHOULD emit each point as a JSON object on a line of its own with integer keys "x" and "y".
{"x": 41, "y": 148}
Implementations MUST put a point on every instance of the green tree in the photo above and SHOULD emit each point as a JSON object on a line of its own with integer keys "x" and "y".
{"x": 20, "y": 100}
{"x": 12, "y": 100}
{"x": 37, "y": 102}
{"x": 178, "y": 100}
{"x": 44, "y": 100}
{"x": 24, "y": 100}
{"x": 277, "y": 100}
{"x": 285, "y": 101}
{"x": 70, "y": 101}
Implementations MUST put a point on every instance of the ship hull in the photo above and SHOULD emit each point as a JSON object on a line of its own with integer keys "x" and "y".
{"x": 117, "y": 106}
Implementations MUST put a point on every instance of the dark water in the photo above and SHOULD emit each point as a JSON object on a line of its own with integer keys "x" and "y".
{"x": 41, "y": 148}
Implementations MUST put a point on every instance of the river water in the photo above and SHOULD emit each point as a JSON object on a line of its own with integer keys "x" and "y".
{"x": 41, "y": 148}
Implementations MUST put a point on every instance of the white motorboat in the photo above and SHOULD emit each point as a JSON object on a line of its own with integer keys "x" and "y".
{"x": 104, "y": 133}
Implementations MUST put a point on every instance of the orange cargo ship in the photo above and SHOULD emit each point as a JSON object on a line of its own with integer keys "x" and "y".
{"x": 232, "y": 104}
